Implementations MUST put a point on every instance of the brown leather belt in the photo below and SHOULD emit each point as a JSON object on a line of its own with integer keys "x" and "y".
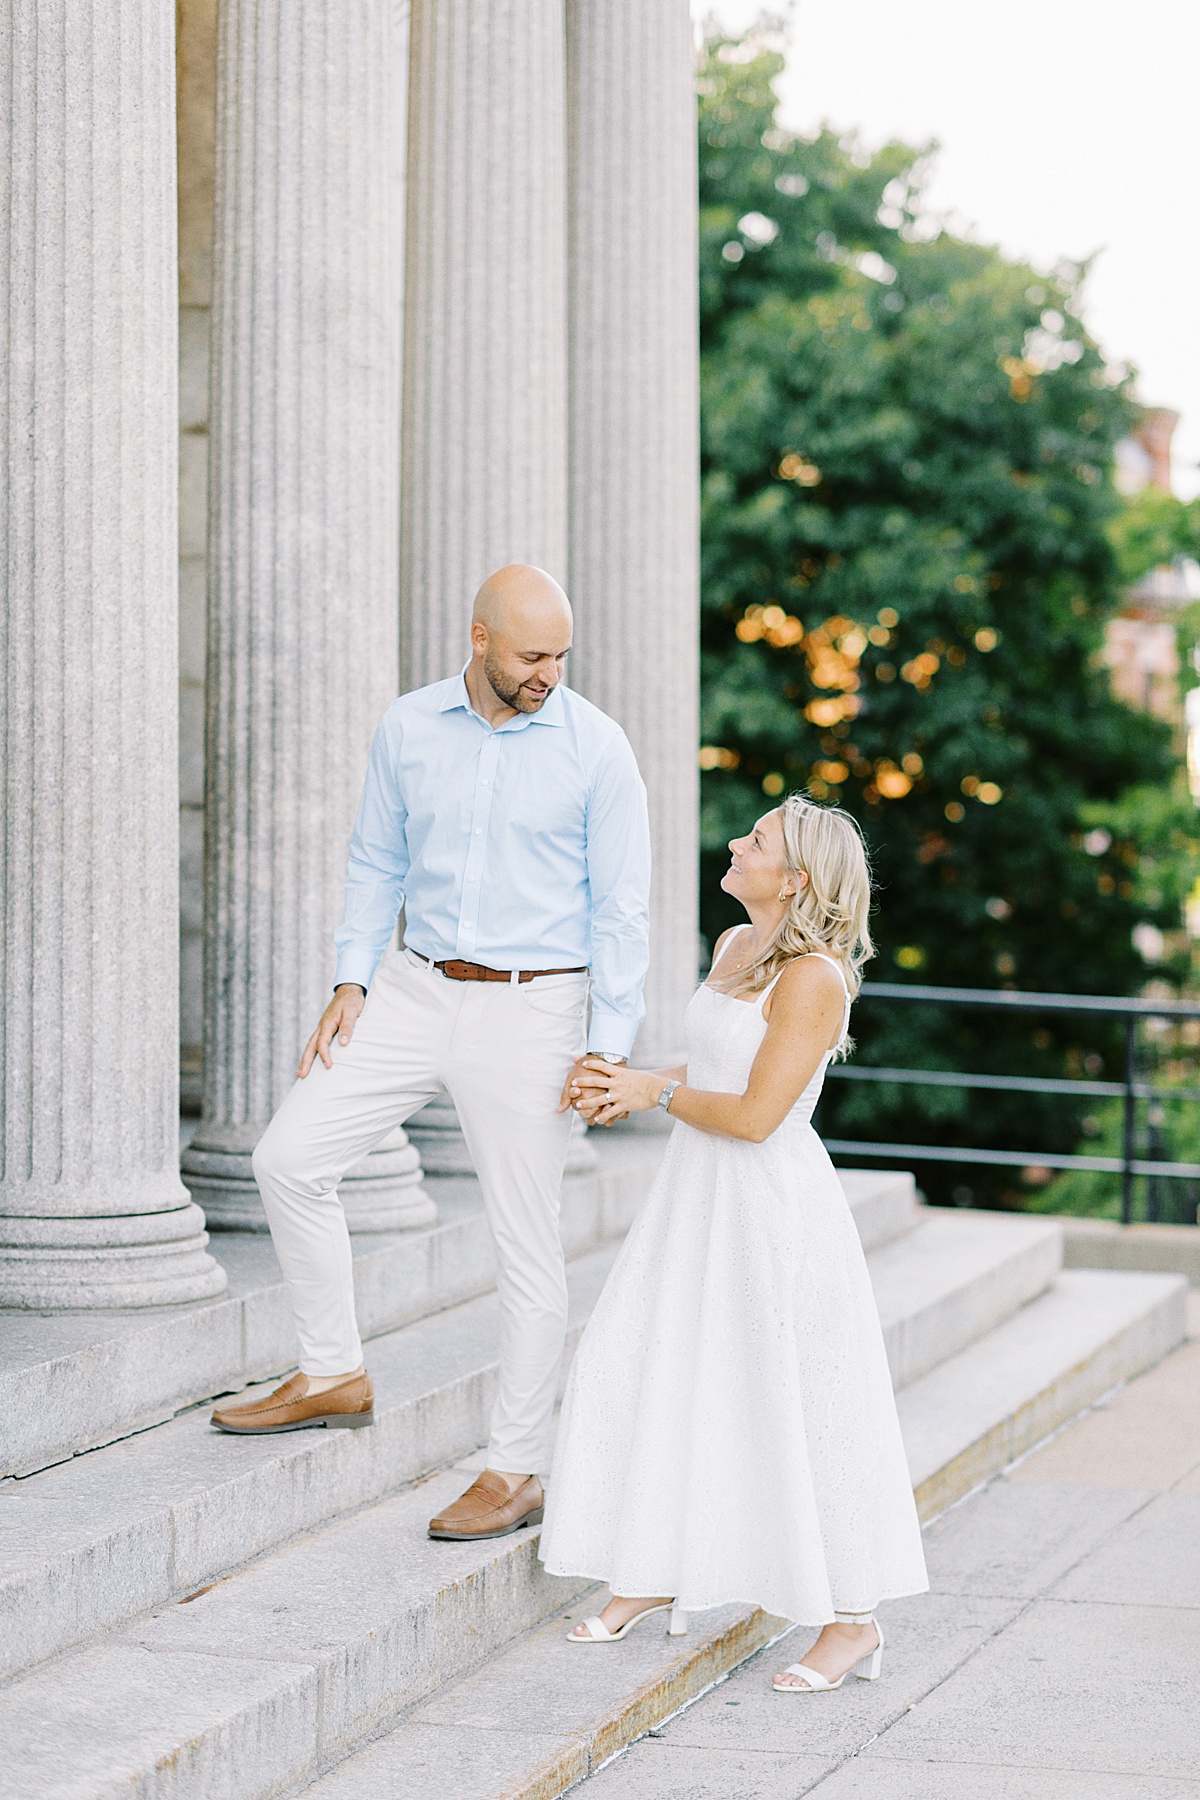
{"x": 468, "y": 971}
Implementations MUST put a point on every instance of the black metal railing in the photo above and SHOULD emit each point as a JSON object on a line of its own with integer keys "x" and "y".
{"x": 1130, "y": 1090}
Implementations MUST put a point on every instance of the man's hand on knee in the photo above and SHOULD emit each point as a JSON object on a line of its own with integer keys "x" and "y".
{"x": 336, "y": 1021}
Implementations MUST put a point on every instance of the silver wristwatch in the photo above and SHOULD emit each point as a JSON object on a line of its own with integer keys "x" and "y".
{"x": 607, "y": 1056}
{"x": 664, "y": 1099}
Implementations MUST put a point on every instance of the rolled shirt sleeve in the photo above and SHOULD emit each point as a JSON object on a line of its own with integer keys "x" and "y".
{"x": 379, "y": 863}
{"x": 618, "y": 864}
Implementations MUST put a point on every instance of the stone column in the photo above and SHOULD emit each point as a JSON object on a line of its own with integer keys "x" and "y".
{"x": 484, "y": 479}
{"x": 92, "y": 1210}
{"x": 195, "y": 76}
{"x": 484, "y": 432}
{"x": 302, "y": 562}
{"x": 634, "y": 497}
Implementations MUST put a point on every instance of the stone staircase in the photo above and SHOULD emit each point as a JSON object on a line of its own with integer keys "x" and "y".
{"x": 191, "y": 1617}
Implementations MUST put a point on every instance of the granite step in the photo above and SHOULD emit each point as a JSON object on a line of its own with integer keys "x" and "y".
{"x": 277, "y": 1671}
{"x": 72, "y": 1382}
{"x": 539, "y": 1716}
{"x": 952, "y": 1277}
{"x": 542, "y": 1715}
{"x": 101, "y": 1539}
{"x": 269, "y": 1678}
{"x": 87, "y": 1544}
{"x": 883, "y": 1201}
{"x": 97, "y": 1540}
{"x": 992, "y": 1402}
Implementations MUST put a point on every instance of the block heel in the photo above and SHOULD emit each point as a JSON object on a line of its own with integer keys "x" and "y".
{"x": 868, "y": 1669}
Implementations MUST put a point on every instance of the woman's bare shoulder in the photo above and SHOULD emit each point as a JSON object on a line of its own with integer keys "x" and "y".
{"x": 810, "y": 980}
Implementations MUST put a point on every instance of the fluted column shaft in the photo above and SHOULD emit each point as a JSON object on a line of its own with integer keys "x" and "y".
{"x": 302, "y": 614}
{"x": 92, "y": 1210}
{"x": 484, "y": 465}
{"x": 484, "y": 415}
{"x": 634, "y": 456}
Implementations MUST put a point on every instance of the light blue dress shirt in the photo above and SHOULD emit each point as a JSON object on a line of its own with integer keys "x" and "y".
{"x": 524, "y": 847}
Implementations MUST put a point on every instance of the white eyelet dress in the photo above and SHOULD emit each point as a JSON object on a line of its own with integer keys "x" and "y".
{"x": 729, "y": 1431}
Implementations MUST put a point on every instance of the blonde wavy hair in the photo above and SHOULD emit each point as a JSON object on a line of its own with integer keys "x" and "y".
{"x": 829, "y": 912}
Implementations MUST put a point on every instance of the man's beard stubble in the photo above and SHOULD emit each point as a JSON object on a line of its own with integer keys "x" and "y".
{"x": 511, "y": 693}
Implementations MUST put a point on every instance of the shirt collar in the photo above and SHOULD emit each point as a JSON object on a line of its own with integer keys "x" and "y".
{"x": 456, "y": 695}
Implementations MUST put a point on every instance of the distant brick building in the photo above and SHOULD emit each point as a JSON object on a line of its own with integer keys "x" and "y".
{"x": 1141, "y": 642}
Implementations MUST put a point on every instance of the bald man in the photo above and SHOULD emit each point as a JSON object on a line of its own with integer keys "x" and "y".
{"x": 507, "y": 816}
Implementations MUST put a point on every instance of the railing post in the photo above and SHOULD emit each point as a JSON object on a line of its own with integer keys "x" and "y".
{"x": 1156, "y": 1148}
{"x": 1129, "y": 1126}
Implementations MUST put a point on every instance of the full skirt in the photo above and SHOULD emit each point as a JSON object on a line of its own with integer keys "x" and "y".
{"x": 729, "y": 1431}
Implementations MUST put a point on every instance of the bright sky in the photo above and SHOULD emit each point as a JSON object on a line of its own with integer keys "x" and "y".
{"x": 1066, "y": 127}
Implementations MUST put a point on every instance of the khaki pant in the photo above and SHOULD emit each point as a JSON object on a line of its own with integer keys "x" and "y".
{"x": 502, "y": 1050}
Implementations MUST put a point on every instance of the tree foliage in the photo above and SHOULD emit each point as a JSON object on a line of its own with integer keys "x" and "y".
{"x": 907, "y": 567}
{"x": 1153, "y": 528}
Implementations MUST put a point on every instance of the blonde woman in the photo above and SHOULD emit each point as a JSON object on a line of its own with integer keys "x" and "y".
{"x": 729, "y": 1431}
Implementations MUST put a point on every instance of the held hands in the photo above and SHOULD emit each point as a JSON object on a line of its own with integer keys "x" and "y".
{"x": 605, "y": 1092}
{"x": 586, "y": 1103}
{"x": 336, "y": 1021}
{"x": 589, "y": 1102}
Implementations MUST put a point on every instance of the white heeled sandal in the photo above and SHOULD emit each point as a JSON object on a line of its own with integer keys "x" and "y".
{"x": 866, "y": 1668}
{"x": 598, "y": 1632}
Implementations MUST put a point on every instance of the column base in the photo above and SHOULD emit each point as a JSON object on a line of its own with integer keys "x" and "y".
{"x": 135, "y": 1259}
{"x": 437, "y": 1134}
{"x": 384, "y": 1192}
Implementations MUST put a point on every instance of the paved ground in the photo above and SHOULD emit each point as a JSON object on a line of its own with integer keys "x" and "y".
{"x": 1056, "y": 1658}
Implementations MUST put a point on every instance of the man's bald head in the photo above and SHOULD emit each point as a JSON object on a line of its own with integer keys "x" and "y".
{"x": 520, "y": 633}
{"x": 519, "y": 597}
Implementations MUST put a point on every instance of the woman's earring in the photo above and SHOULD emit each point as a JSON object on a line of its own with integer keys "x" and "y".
{"x": 784, "y": 895}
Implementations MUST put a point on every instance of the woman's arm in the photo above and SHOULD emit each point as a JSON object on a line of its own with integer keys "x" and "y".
{"x": 807, "y": 1008}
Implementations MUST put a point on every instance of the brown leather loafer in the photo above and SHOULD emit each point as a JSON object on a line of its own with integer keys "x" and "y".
{"x": 292, "y": 1408}
{"x": 488, "y": 1510}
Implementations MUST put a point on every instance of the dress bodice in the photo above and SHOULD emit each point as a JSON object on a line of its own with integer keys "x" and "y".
{"x": 723, "y": 1035}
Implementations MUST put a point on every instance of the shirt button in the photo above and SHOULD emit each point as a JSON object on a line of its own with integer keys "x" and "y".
{"x": 470, "y": 878}
{"x": 479, "y": 831}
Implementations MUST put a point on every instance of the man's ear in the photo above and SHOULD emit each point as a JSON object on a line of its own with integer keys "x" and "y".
{"x": 479, "y": 635}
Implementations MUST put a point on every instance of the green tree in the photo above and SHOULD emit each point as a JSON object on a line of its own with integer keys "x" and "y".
{"x": 907, "y": 447}
{"x": 1153, "y": 528}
